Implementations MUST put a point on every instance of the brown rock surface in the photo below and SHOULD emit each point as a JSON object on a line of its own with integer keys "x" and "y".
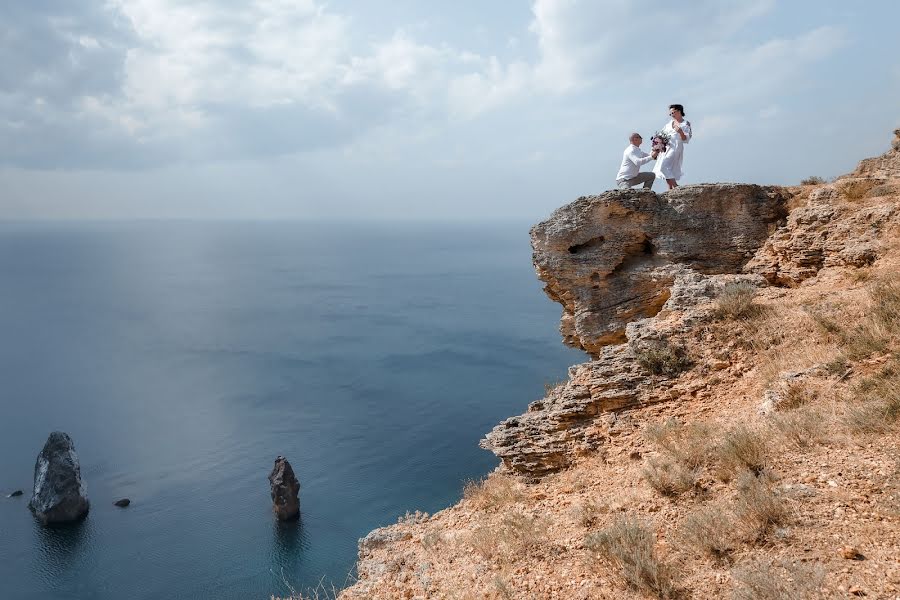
{"x": 610, "y": 259}
{"x": 835, "y": 228}
{"x": 575, "y": 417}
{"x": 285, "y": 490}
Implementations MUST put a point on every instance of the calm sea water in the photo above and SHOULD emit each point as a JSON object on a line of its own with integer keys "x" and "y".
{"x": 183, "y": 357}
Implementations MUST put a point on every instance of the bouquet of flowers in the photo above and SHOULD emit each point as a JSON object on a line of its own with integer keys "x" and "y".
{"x": 659, "y": 141}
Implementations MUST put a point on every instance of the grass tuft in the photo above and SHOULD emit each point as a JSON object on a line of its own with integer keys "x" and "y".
{"x": 631, "y": 547}
{"x": 757, "y": 509}
{"x": 512, "y": 537}
{"x": 741, "y": 449}
{"x": 762, "y": 580}
{"x": 668, "y": 477}
{"x": 711, "y": 531}
{"x": 802, "y": 428}
{"x": 665, "y": 359}
{"x": 493, "y": 492}
{"x": 690, "y": 444}
{"x": 736, "y": 302}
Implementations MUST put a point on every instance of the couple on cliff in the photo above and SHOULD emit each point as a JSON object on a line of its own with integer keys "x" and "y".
{"x": 667, "y": 149}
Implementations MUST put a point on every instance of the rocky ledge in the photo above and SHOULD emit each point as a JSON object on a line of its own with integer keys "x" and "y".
{"x": 612, "y": 259}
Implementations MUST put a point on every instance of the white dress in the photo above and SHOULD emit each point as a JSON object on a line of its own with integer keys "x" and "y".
{"x": 669, "y": 164}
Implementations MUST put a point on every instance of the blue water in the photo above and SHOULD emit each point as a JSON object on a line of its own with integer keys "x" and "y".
{"x": 183, "y": 357}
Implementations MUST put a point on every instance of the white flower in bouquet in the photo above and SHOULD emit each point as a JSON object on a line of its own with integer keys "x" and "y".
{"x": 659, "y": 141}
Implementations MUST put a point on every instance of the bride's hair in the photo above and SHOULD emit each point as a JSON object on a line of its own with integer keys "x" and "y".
{"x": 679, "y": 108}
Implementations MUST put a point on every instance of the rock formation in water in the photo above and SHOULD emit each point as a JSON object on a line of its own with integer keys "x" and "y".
{"x": 285, "y": 490}
{"x": 611, "y": 259}
{"x": 60, "y": 495}
{"x": 16, "y": 494}
{"x": 122, "y": 503}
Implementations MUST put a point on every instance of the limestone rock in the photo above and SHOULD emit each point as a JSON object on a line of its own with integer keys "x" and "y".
{"x": 570, "y": 420}
{"x": 886, "y": 166}
{"x": 611, "y": 259}
{"x": 380, "y": 537}
{"x": 825, "y": 233}
{"x": 59, "y": 495}
{"x": 285, "y": 490}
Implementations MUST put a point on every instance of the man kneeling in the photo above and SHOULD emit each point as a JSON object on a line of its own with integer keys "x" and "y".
{"x": 632, "y": 159}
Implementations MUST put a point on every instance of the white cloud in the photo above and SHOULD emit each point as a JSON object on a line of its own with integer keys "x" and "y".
{"x": 585, "y": 42}
{"x": 203, "y": 80}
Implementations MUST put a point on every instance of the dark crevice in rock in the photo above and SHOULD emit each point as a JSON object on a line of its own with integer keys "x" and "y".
{"x": 588, "y": 245}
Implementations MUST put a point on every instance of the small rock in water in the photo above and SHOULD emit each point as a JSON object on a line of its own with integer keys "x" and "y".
{"x": 59, "y": 495}
{"x": 122, "y": 503}
{"x": 285, "y": 489}
{"x": 15, "y": 493}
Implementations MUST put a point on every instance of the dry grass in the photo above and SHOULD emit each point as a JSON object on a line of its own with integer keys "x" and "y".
{"x": 797, "y": 394}
{"x": 878, "y": 409}
{"x": 886, "y": 304}
{"x": 856, "y": 189}
{"x": 512, "y": 537}
{"x": 741, "y": 449}
{"x": 320, "y": 592}
{"x": 757, "y": 509}
{"x": 631, "y": 547}
{"x": 813, "y": 180}
{"x": 493, "y": 492}
{"x": 551, "y": 386}
{"x": 588, "y": 513}
{"x": 876, "y": 332}
{"x": 688, "y": 444}
{"x": 802, "y": 428}
{"x": 711, "y": 531}
{"x": 736, "y": 302}
{"x": 877, "y": 414}
{"x": 665, "y": 359}
{"x": 762, "y": 580}
{"x": 669, "y": 477}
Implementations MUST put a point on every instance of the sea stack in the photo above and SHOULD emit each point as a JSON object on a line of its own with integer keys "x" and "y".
{"x": 60, "y": 495}
{"x": 285, "y": 490}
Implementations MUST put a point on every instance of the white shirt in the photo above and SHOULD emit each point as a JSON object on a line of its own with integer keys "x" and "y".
{"x": 632, "y": 159}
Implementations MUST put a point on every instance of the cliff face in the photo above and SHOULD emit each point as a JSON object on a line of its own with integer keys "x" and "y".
{"x": 611, "y": 259}
{"x": 716, "y": 319}
{"x": 578, "y": 416}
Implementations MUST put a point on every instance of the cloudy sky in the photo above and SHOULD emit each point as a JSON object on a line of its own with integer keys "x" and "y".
{"x": 413, "y": 110}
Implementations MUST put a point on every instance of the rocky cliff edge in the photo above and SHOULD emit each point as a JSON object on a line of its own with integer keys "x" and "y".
{"x": 744, "y": 345}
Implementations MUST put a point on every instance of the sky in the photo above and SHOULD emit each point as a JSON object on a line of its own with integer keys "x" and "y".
{"x": 414, "y": 110}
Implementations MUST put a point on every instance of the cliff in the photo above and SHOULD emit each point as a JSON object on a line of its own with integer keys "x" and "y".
{"x": 735, "y": 431}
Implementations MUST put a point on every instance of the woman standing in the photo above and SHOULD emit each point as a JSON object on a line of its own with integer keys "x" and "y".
{"x": 668, "y": 166}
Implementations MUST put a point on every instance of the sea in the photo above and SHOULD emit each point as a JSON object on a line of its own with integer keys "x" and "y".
{"x": 182, "y": 357}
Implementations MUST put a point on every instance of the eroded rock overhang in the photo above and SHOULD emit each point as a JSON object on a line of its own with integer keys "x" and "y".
{"x": 611, "y": 259}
